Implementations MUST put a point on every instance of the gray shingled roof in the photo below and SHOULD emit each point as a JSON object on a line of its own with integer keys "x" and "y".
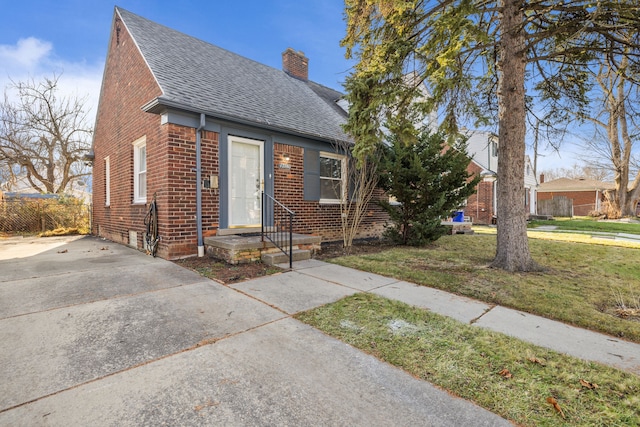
{"x": 200, "y": 77}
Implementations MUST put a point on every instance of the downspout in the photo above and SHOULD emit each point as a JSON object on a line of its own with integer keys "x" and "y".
{"x": 199, "y": 185}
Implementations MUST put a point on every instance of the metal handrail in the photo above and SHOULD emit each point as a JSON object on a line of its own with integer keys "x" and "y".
{"x": 277, "y": 225}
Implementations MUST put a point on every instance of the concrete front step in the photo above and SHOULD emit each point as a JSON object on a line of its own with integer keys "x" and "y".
{"x": 239, "y": 249}
{"x": 280, "y": 258}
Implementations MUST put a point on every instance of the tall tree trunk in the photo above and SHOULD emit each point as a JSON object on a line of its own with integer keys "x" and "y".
{"x": 512, "y": 252}
{"x": 632, "y": 197}
{"x": 629, "y": 208}
{"x": 613, "y": 134}
{"x": 626, "y": 194}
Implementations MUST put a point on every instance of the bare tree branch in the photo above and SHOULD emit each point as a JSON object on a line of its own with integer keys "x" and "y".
{"x": 43, "y": 136}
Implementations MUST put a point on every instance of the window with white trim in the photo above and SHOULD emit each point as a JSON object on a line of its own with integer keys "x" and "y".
{"x": 140, "y": 170}
{"x": 107, "y": 181}
{"x": 332, "y": 178}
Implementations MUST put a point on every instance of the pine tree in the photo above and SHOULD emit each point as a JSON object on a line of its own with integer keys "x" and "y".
{"x": 429, "y": 180}
{"x": 474, "y": 56}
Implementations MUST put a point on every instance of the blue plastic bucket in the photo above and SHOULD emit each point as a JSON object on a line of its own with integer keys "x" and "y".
{"x": 459, "y": 216}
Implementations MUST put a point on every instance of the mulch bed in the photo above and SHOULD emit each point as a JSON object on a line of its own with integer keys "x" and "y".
{"x": 228, "y": 273}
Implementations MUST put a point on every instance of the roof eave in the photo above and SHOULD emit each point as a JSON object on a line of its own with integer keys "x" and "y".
{"x": 550, "y": 190}
{"x": 159, "y": 105}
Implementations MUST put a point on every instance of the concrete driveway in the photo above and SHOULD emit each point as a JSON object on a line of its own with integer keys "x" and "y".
{"x": 96, "y": 333}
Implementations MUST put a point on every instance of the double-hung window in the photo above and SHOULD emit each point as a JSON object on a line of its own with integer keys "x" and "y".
{"x": 140, "y": 170}
{"x": 332, "y": 178}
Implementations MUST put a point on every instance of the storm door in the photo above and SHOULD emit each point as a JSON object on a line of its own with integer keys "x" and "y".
{"x": 246, "y": 181}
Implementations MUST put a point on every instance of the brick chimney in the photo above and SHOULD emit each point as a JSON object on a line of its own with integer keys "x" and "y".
{"x": 541, "y": 178}
{"x": 295, "y": 64}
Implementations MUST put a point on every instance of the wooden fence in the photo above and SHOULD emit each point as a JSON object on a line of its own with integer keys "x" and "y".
{"x": 558, "y": 207}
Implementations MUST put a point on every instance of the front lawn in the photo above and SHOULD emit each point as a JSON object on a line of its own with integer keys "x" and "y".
{"x": 526, "y": 384}
{"x": 591, "y": 286}
{"x": 589, "y": 224}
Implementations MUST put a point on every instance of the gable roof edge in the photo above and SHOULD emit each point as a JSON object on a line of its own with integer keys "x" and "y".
{"x": 135, "y": 42}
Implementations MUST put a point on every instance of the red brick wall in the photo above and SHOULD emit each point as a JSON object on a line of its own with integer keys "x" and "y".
{"x": 177, "y": 215}
{"x": 311, "y": 216}
{"x": 295, "y": 63}
{"x": 583, "y": 201}
{"x": 480, "y": 205}
{"x": 126, "y": 86}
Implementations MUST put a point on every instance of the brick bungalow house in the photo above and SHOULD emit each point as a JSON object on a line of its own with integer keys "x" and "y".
{"x": 586, "y": 195}
{"x": 170, "y": 102}
{"x": 482, "y": 147}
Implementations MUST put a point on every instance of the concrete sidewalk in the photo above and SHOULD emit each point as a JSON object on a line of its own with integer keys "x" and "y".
{"x": 314, "y": 282}
{"x": 96, "y": 333}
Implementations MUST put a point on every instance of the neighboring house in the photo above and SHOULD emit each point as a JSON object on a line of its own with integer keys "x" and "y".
{"x": 482, "y": 147}
{"x": 20, "y": 187}
{"x": 585, "y": 195}
{"x": 27, "y": 196}
{"x": 170, "y": 101}
{"x": 531, "y": 186}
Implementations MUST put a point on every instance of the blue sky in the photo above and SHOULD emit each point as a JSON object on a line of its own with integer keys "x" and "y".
{"x": 71, "y": 35}
{"x": 42, "y": 37}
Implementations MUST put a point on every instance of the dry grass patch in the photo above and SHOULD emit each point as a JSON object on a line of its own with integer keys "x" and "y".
{"x": 64, "y": 231}
{"x": 514, "y": 379}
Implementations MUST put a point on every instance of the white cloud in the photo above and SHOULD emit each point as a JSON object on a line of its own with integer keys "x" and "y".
{"x": 34, "y": 59}
{"x": 26, "y": 54}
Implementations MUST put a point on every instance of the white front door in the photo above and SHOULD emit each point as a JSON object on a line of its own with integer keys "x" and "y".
{"x": 246, "y": 181}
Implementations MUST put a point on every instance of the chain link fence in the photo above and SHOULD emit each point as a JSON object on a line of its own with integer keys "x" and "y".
{"x": 23, "y": 215}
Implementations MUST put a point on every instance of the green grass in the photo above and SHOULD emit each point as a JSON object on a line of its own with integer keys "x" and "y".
{"x": 584, "y": 284}
{"x": 589, "y": 224}
{"x": 468, "y": 362}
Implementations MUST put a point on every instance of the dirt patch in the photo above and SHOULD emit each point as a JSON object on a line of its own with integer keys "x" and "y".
{"x": 227, "y": 273}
